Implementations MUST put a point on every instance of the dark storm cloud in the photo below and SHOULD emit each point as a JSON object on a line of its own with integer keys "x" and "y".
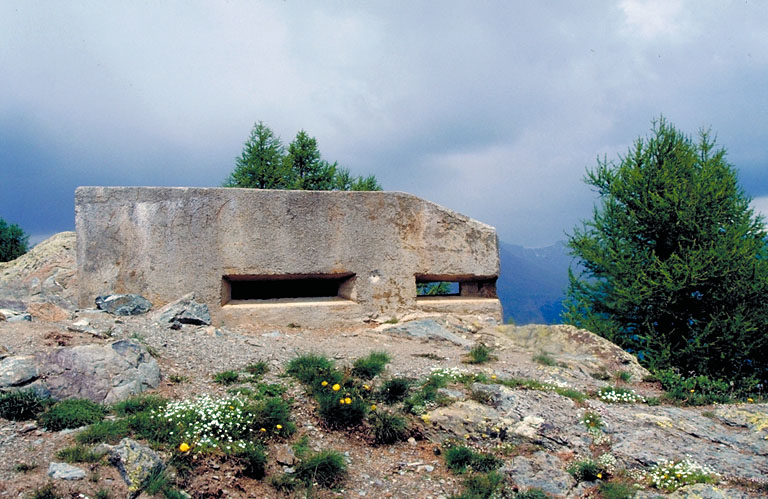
{"x": 492, "y": 109}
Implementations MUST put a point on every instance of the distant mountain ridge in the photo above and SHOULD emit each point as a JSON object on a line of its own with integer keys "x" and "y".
{"x": 532, "y": 282}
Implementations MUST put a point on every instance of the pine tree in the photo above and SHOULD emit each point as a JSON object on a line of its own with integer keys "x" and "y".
{"x": 261, "y": 165}
{"x": 13, "y": 241}
{"x": 675, "y": 263}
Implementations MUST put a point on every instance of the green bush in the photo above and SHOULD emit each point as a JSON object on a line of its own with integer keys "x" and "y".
{"x": 388, "y": 427}
{"x": 13, "y": 241}
{"x": 394, "y": 390}
{"x": 21, "y": 405}
{"x": 325, "y": 468}
{"x": 370, "y": 366}
{"x": 71, "y": 413}
{"x": 271, "y": 413}
{"x": 226, "y": 377}
{"x": 77, "y": 454}
{"x": 47, "y": 491}
{"x": 544, "y": 359}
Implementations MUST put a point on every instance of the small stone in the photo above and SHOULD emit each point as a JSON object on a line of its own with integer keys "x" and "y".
{"x": 128, "y": 304}
{"x": 64, "y": 471}
{"x": 28, "y": 427}
{"x": 412, "y": 441}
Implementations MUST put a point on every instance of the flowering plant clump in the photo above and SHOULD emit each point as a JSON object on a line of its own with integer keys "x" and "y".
{"x": 671, "y": 475}
{"x": 592, "y": 419}
{"x": 618, "y": 395}
{"x": 225, "y": 424}
{"x": 598, "y": 436}
{"x": 607, "y": 462}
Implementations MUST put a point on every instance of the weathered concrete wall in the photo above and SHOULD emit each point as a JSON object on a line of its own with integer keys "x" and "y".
{"x": 166, "y": 242}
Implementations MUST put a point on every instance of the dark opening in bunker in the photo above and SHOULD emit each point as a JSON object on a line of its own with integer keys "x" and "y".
{"x": 452, "y": 285}
{"x": 245, "y": 288}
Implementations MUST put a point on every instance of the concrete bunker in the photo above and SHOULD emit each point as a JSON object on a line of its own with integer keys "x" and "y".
{"x": 279, "y": 257}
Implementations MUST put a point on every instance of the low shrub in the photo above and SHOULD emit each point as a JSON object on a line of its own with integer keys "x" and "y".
{"x": 623, "y": 376}
{"x": 71, "y": 413}
{"x": 47, "y": 491}
{"x": 21, "y": 405}
{"x": 479, "y": 354}
{"x": 226, "y": 377}
{"x": 78, "y": 454}
{"x": 394, "y": 390}
{"x": 388, "y": 427}
{"x": 325, "y": 468}
{"x": 370, "y": 366}
{"x": 274, "y": 415}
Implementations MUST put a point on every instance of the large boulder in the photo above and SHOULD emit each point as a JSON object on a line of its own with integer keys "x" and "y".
{"x": 47, "y": 273}
{"x": 101, "y": 373}
{"x": 185, "y": 310}
{"x": 135, "y": 463}
{"x": 17, "y": 371}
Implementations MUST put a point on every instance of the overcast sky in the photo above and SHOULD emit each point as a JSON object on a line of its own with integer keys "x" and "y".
{"x": 491, "y": 108}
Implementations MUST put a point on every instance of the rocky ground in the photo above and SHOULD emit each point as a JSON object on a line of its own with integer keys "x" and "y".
{"x": 537, "y": 429}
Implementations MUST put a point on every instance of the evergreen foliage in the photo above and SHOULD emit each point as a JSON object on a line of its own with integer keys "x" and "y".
{"x": 675, "y": 261}
{"x": 13, "y": 241}
{"x": 266, "y": 164}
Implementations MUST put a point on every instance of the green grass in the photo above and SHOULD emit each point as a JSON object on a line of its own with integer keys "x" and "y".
{"x": 370, "y": 366}
{"x": 544, "y": 359}
{"x": 617, "y": 490}
{"x": 336, "y": 414}
{"x": 257, "y": 369}
{"x": 138, "y": 403}
{"x": 21, "y": 405}
{"x": 110, "y": 431}
{"x": 394, "y": 390}
{"x": 312, "y": 370}
{"x": 253, "y": 460}
{"x": 482, "y": 486}
{"x": 388, "y": 427}
{"x": 326, "y": 468}
{"x": 623, "y": 376}
{"x": 24, "y": 467}
{"x": 531, "y": 494}
{"x": 461, "y": 458}
{"x": 156, "y": 482}
{"x": 226, "y": 377}
{"x": 78, "y": 454}
{"x": 479, "y": 354}
{"x": 71, "y": 413}
{"x": 47, "y": 491}
{"x": 532, "y": 384}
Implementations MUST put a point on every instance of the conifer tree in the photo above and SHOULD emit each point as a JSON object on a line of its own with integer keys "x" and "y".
{"x": 675, "y": 264}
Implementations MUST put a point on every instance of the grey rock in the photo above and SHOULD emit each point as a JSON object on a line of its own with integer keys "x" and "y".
{"x": 429, "y": 329}
{"x": 17, "y": 371}
{"x": 64, "y": 471}
{"x": 83, "y": 326}
{"x": 185, "y": 310}
{"x": 542, "y": 470}
{"x": 102, "y": 449}
{"x": 283, "y": 454}
{"x": 101, "y": 373}
{"x": 4, "y": 352}
{"x": 22, "y": 317}
{"x": 128, "y": 304}
{"x": 706, "y": 491}
{"x": 135, "y": 463}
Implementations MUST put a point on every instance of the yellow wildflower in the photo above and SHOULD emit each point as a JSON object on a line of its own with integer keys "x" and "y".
{"x": 425, "y": 418}
{"x": 263, "y": 430}
{"x": 493, "y": 376}
{"x": 466, "y": 436}
{"x": 599, "y": 475}
{"x": 366, "y": 387}
{"x": 336, "y": 387}
{"x": 341, "y": 401}
{"x": 184, "y": 447}
{"x": 347, "y": 400}
{"x": 373, "y": 407}
{"x": 692, "y": 390}
{"x": 324, "y": 383}
{"x": 279, "y": 427}
{"x": 750, "y": 400}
